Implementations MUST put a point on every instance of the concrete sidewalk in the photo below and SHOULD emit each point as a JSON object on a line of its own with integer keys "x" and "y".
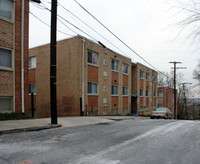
{"x": 12, "y": 126}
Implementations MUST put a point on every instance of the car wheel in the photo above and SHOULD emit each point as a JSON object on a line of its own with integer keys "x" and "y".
{"x": 152, "y": 117}
{"x": 166, "y": 117}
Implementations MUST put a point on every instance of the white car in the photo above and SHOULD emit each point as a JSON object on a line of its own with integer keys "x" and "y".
{"x": 161, "y": 112}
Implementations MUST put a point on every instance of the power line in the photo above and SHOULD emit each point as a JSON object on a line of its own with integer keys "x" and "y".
{"x": 93, "y": 29}
{"x": 116, "y": 36}
{"x": 48, "y": 24}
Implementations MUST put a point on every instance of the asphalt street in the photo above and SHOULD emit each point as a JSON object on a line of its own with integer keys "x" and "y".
{"x": 131, "y": 141}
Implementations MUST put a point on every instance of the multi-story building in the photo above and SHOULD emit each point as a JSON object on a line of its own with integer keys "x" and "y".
{"x": 144, "y": 89}
{"x": 14, "y": 20}
{"x": 166, "y": 98}
{"x": 91, "y": 79}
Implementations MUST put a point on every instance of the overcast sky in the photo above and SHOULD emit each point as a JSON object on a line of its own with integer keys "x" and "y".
{"x": 149, "y": 27}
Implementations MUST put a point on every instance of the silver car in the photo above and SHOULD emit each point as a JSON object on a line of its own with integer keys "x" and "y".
{"x": 161, "y": 112}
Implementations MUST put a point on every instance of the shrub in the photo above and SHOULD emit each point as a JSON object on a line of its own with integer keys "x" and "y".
{"x": 13, "y": 116}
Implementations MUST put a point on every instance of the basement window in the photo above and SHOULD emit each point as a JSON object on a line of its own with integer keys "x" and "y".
{"x": 6, "y": 104}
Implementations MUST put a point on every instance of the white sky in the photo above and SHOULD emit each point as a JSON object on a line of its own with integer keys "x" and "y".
{"x": 149, "y": 27}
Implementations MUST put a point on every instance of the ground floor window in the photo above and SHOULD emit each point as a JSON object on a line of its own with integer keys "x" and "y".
{"x": 6, "y": 104}
{"x": 32, "y": 88}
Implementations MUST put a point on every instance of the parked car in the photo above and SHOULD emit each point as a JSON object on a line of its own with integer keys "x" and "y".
{"x": 161, "y": 112}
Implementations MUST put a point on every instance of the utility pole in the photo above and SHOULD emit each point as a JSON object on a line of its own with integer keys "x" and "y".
{"x": 175, "y": 112}
{"x": 53, "y": 102}
{"x": 185, "y": 104}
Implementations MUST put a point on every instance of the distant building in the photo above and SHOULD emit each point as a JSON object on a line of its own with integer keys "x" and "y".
{"x": 14, "y": 21}
{"x": 166, "y": 98}
{"x": 91, "y": 79}
{"x": 144, "y": 89}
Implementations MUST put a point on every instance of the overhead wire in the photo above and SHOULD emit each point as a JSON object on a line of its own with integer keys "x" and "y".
{"x": 93, "y": 30}
{"x": 48, "y": 24}
{"x": 116, "y": 36}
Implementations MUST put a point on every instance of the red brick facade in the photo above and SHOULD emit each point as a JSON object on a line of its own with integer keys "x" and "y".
{"x": 10, "y": 37}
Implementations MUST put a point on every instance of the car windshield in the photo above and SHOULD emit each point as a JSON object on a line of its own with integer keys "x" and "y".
{"x": 161, "y": 109}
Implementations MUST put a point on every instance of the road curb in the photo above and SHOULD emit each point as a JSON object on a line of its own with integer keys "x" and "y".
{"x": 30, "y": 129}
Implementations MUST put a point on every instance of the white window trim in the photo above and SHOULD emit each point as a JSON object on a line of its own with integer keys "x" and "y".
{"x": 117, "y": 90}
{"x": 35, "y": 62}
{"x": 142, "y": 92}
{"x": 127, "y": 69}
{"x": 95, "y": 65}
{"x": 117, "y": 67}
{"x": 12, "y": 58}
{"x": 127, "y": 91}
{"x": 143, "y": 74}
{"x": 93, "y": 94}
{"x": 12, "y": 19}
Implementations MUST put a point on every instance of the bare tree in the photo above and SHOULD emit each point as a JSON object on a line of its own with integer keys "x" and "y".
{"x": 196, "y": 73}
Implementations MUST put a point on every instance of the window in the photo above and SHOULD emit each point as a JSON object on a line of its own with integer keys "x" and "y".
{"x": 147, "y": 76}
{"x": 92, "y": 88}
{"x": 6, "y": 7}
{"x": 114, "y": 65}
{"x": 92, "y": 58}
{"x": 105, "y": 88}
{"x": 104, "y": 61}
{"x": 104, "y": 100}
{"x": 154, "y": 93}
{"x": 125, "y": 91}
{"x": 147, "y": 93}
{"x": 125, "y": 68}
{"x": 105, "y": 73}
{"x": 141, "y": 92}
{"x": 114, "y": 90}
{"x": 5, "y": 104}
{"x": 32, "y": 88}
{"x": 5, "y": 58}
{"x": 32, "y": 62}
{"x": 160, "y": 94}
{"x": 141, "y": 74}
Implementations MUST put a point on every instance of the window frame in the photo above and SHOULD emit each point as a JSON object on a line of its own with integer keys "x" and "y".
{"x": 147, "y": 76}
{"x": 31, "y": 57}
{"x": 92, "y": 91}
{"x": 12, "y": 60}
{"x": 123, "y": 90}
{"x": 141, "y": 74}
{"x": 11, "y": 104}
{"x": 12, "y": 11}
{"x": 141, "y": 95}
{"x": 93, "y": 53}
{"x": 113, "y": 68}
{"x": 123, "y": 65}
{"x": 159, "y": 94}
{"x": 147, "y": 93}
{"x": 30, "y": 84}
{"x": 114, "y": 94}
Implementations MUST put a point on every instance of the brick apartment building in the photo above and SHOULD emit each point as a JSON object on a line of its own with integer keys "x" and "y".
{"x": 144, "y": 89}
{"x": 166, "y": 98}
{"x": 91, "y": 79}
{"x": 14, "y": 22}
